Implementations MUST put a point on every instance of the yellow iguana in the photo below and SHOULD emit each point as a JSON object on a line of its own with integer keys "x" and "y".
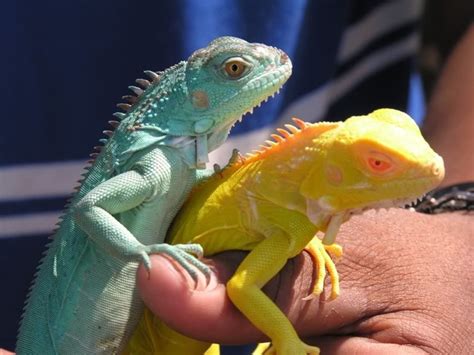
{"x": 273, "y": 202}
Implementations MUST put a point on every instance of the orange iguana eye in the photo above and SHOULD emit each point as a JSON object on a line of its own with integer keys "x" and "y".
{"x": 235, "y": 67}
{"x": 380, "y": 163}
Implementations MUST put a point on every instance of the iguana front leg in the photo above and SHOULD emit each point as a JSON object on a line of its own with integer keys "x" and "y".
{"x": 244, "y": 289}
{"x": 94, "y": 214}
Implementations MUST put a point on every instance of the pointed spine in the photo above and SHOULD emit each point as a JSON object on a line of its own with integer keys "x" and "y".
{"x": 300, "y": 123}
{"x": 124, "y": 106}
{"x": 284, "y": 133}
{"x": 130, "y": 99}
{"x": 278, "y": 138}
{"x": 143, "y": 83}
{"x": 114, "y": 123}
{"x": 292, "y": 128}
{"x": 154, "y": 76}
{"x": 119, "y": 115}
{"x": 136, "y": 90}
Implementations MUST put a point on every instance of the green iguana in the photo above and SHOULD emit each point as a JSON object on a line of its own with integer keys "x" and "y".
{"x": 273, "y": 202}
{"x": 84, "y": 299}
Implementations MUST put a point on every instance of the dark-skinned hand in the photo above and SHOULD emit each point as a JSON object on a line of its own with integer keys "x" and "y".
{"x": 406, "y": 287}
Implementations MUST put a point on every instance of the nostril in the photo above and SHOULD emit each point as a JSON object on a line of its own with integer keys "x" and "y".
{"x": 283, "y": 58}
{"x": 437, "y": 167}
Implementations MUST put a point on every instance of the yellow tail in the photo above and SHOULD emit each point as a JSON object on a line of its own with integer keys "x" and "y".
{"x": 154, "y": 337}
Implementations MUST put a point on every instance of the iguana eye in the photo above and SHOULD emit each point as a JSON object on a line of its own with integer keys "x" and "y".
{"x": 380, "y": 163}
{"x": 235, "y": 67}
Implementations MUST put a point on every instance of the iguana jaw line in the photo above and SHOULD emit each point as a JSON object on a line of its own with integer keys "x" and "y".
{"x": 320, "y": 208}
{"x": 413, "y": 187}
{"x": 320, "y": 213}
{"x": 259, "y": 104}
{"x": 317, "y": 209}
{"x": 387, "y": 204}
{"x": 250, "y": 110}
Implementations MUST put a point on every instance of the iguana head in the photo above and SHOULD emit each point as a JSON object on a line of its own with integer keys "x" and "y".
{"x": 194, "y": 104}
{"x": 228, "y": 79}
{"x": 373, "y": 161}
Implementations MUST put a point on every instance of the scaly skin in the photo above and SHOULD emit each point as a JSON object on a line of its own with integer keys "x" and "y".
{"x": 273, "y": 202}
{"x": 84, "y": 298}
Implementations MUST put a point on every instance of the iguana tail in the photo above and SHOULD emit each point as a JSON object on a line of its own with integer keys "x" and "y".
{"x": 152, "y": 336}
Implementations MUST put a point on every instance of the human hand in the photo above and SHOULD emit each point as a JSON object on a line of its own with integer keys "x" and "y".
{"x": 406, "y": 287}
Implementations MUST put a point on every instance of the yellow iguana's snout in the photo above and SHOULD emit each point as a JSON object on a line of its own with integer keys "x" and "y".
{"x": 376, "y": 161}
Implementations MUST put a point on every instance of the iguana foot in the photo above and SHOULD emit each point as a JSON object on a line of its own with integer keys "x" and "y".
{"x": 181, "y": 254}
{"x": 195, "y": 249}
{"x": 320, "y": 254}
{"x": 236, "y": 157}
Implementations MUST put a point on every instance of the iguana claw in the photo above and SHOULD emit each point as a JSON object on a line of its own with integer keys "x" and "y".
{"x": 181, "y": 253}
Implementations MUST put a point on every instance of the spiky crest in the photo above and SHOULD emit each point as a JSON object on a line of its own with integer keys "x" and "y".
{"x": 281, "y": 139}
{"x": 131, "y": 100}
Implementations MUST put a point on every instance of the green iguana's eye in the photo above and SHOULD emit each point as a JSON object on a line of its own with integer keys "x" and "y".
{"x": 235, "y": 68}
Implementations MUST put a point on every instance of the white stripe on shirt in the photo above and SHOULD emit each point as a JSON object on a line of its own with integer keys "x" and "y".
{"x": 377, "y": 23}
